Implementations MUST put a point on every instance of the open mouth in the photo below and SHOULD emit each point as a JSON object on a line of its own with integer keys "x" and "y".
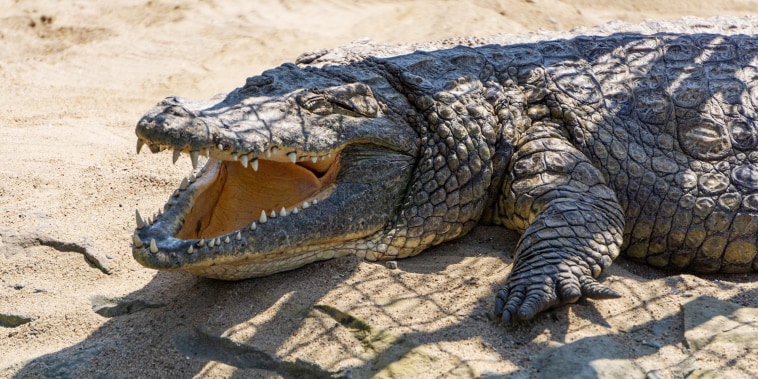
{"x": 237, "y": 196}
{"x": 228, "y": 199}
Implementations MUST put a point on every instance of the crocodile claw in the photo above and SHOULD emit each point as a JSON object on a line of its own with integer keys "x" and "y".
{"x": 526, "y": 294}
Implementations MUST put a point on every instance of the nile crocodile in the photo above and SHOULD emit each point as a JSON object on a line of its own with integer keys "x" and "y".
{"x": 639, "y": 139}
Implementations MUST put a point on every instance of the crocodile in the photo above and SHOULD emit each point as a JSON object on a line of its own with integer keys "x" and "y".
{"x": 639, "y": 139}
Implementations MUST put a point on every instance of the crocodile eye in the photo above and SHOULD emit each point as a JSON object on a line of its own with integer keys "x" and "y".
{"x": 354, "y": 98}
{"x": 315, "y": 103}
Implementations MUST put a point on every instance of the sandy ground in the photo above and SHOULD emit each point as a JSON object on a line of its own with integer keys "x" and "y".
{"x": 75, "y": 76}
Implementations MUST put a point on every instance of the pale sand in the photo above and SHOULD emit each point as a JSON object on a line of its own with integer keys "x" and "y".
{"x": 76, "y": 76}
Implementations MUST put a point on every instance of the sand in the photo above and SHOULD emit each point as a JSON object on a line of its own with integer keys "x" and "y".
{"x": 76, "y": 76}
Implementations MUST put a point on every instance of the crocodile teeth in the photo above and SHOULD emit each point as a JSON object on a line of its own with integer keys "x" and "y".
{"x": 243, "y": 160}
{"x": 329, "y": 155}
{"x": 274, "y": 150}
{"x": 184, "y": 185}
{"x": 253, "y": 226}
{"x": 255, "y": 164}
{"x": 227, "y": 240}
{"x": 218, "y": 241}
{"x": 263, "y": 218}
{"x": 295, "y": 211}
{"x": 283, "y": 212}
{"x": 220, "y": 146}
{"x": 194, "y": 155}
{"x": 273, "y": 214}
{"x": 200, "y": 243}
{"x": 140, "y": 143}
{"x": 190, "y": 250}
{"x": 314, "y": 159}
{"x": 153, "y": 246}
{"x": 235, "y": 156}
{"x": 211, "y": 242}
{"x": 140, "y": 221}
{"x": 136, "y": 240}
{"x": 292, "y": 156}
{"x": 322, "y": 158}
{"x": 315, "y": 201}
{"x": 175, "y": 158}
{"x": 306, "y": 205}
{"x": 268, "y": 153}
{"x": 238, "y": 236}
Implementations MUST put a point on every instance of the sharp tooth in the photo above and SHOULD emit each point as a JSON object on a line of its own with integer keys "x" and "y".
{"x": 238, "y": 237}
{"x": 315, "y": 201}
{"x": 255, "y": 164}
{"x": 194, "y": 156}
{"x": 306, "y": 205}
{"x": 323, "y": 157}
{"x": 200, "y": 243}
{"x": 140, "y": 143}
{"x": 274, "y": 150}
{"x": 227, "y": 240}
{"x": 190, "y": 250}
{"x": 243, "y": 160}
{"x": 253, "y": 226}
{"x": 235, "y": 156}
{"x": 220, "y": 146}
{"x": 175, "y": 158}
{"x": 140, "y": 221}
{"x": 268, "y": 153}
{"x": 283, "y": 212}
{"x": 273, "y": 214}
{"x": 314, "y": 159}
{"x": 295, "y": 211}
{"x": 136, "y": 240}
{"x": 211, "y": 242}
{"x": 207, "y": 152}
{"x": 292, "y": 156}
{"x": 149, "y": 221}
{"x": 263, "y": 218}
{"x": 153, "y": 246}
{"x": 184, "y": 185}
{"x": 329, "y": 155}
{"x": 192, "y": 178}
{"x": 218, "y": 241}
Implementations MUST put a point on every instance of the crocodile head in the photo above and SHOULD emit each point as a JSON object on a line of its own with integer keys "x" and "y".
{"x": 301, "y": 167}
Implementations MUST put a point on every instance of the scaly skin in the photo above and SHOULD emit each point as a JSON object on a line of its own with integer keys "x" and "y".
{"x": 588, "y": 145}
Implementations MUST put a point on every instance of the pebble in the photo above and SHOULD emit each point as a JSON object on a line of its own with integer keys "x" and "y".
{"x": 392, "y": 265}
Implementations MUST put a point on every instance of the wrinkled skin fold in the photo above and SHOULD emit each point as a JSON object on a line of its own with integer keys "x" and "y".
{"x": 591, "y": 146}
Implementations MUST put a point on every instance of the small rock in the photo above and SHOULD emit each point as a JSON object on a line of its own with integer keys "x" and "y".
{"x": 11, "y": 321}
{"x": 392, "y": 265}
{"x": 654, "y": 343}
{"x": 19, "y": 286}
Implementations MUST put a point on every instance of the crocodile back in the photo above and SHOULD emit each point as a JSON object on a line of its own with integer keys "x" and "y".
{"x": 670, "y": 121}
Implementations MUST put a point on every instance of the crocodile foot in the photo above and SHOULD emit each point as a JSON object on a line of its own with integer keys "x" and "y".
{"x": 536, "y": 286}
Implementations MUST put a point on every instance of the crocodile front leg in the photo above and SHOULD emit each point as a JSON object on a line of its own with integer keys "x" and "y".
{"x": 571, "y": 221}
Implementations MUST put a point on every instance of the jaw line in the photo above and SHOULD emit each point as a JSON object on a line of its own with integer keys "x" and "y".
{"x": 168, "y": 229}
